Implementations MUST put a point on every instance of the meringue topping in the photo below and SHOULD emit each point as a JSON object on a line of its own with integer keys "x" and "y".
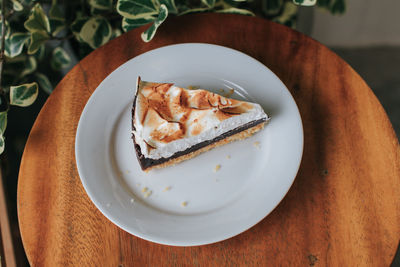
{"x": 168, "y": 119}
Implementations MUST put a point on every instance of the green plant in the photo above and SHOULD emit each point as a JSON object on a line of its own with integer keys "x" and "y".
{"x": 34, "y": 32}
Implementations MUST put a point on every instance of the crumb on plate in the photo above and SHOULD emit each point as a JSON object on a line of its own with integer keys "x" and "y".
{"x": 257, "y": 144}
{"x": 167, "y": 188}
{"x": 144, "y": 189}
{"x": 147, "y": 194}
{"x": 184, "y": 204}
{"x": 217, "y": 168}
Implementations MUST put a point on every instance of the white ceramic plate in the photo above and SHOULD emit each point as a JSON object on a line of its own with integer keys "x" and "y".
{"x": 252, "y": 179}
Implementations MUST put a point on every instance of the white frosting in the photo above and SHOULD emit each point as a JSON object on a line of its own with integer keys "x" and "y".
{"x": 211, "y": 126}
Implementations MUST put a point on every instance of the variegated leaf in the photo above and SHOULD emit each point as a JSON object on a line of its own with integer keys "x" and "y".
{"x": 193, "y": 10}
{"x": 30, "y": 66}
{"x": 129, "y": 24}
{"x": 3, "y": 121}
{"x": 17, "y": 6}
{"x": 23, "y": 95}
{"x": 272, "y": 7}
{"x": 37, "y": 39}
{"x": 2, "y": 144}
{"x": 55, "y": 12}
{"x": 170, "y": 4}
{"x": 37, "y": 21}
{"x": 96, "y": 32}
{"x": 115, "y": 33}
{"x": 338, "y": 7}
{"x": 56, "y": 26}
{"x": 305, "y": 2}
{"x": 101, "y": 4}
{"x": 44, "y": 82}
{"x": 77, "y": 25}
{"x": 288, "y": 13}
{"x": 15, "y": 43}
{"x": 56, "y": 18}
{"x": 135, "y": 9}
{"x": 39, "y": 54}
{"x": 235, "y": 10}
{"x": 208, "y": 3}
{"x": 60, "y": 59}
{"x": 148, "y": 34}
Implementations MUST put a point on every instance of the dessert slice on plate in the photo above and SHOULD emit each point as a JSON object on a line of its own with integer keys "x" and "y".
{"x": 171, "y": 124}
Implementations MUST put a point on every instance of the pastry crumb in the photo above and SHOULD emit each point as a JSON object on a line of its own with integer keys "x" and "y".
{"x": 184, "y": 204}
{"x": 217, "y": 168}
{"x": 147, "y": 194}
{"x": 128, "y": 171}
{"x": 132, "y": 200}
{"x": 144, "y": 189}
{"x": 257, "y": 144}
{"x": 167, "y": 188}
{"x": 221, "y": 90}
{"x": 193, "y": 87}
{"x": 228, "y": 156}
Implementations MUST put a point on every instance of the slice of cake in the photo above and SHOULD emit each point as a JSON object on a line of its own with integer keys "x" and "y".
{"x": 171, "y": 124}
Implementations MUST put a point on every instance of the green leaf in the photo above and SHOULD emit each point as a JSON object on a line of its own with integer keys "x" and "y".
{"x": 101, "y": 4}
{"x": 37, "y": 21}
{"x": 44, "y": 82}
{"x": 208, "y": 3}
{"x": 60, "y": 59}
{"x": 305, "y": 2}
{"x": 170, "y": 4}
{"x": 129, "y": 24}
{"x": 96, "y": 32}
{"x": 148, "y": 34}
{"x": 23, "y": 95}
{"x": 37, "y": 39}
{"x": 134, "y": 9}
{"x": 2, "y": 144}
{"x": 30, "y": 66}
{"x": 17, "y": 6}
{"x": 15, "y": 43}
{"x": 234, "y": 10}
{"x": 3, "y": 121}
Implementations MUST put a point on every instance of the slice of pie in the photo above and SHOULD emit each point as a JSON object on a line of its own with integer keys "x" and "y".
{"x": 171, "y": 124}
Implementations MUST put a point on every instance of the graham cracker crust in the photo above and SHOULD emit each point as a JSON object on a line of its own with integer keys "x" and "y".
{"x": 238, "y": 136}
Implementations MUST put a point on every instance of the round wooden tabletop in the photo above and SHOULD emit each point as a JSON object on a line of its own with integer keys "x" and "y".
{"x": 343, "y": 208}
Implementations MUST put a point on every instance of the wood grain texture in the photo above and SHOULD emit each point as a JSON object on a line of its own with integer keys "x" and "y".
{"x": 342, "y": 210}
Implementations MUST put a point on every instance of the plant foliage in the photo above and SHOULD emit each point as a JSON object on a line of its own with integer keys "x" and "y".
{"x": 36, "y": 33}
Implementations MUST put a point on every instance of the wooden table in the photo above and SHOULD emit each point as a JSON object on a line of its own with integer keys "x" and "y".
{"x": 343, "y": 208}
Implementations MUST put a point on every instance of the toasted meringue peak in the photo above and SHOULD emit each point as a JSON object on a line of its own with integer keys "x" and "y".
{"x": 168, "y": 119}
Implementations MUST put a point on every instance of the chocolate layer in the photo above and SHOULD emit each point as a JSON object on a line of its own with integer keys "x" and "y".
{"x": 148, "y": 162}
